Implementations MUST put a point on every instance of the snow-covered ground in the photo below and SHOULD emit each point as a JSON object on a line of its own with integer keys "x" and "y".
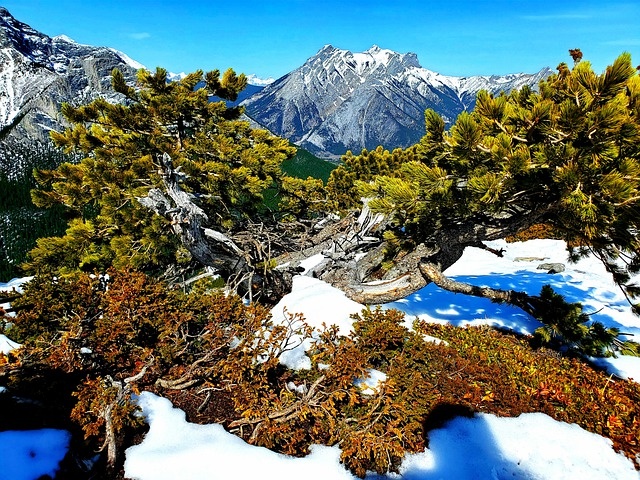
{"x": 586, "y": 282}
{"x": 531, "y": 446}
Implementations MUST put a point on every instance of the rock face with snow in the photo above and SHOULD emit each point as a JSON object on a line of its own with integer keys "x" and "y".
{"x": 339, "y": 100}
{"x": 38, "y": 73}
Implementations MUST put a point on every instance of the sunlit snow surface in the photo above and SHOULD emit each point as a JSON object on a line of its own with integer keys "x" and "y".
{"x": 532, "y": 446}
{"x": 586, "y": 282}
{"x": 176, "y": 449}
{"x": 6, "y": 345}
{"x": 14, "y": 284}
{"x": 320, "y": 303}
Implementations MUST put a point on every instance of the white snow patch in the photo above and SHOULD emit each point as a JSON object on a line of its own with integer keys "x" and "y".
{"x": 128, "y": 60}
{"x": 174, "y": 449}
{"x": 7, "y": 345}
{"x": 258, "y": 81}
{"x": 63, "y": 38}
{"x": 622, "y": 366}
{"x": 320, "y": 303}
{"x": 436, "y": 340}
{"x": 370, "y": 385}
{"x": 299, "y": 389}
{"x": 531, "y": 446}
{"x": 311, "y": 262}
{"x": 14, "y": 284}
{"x": 586, "y": 281}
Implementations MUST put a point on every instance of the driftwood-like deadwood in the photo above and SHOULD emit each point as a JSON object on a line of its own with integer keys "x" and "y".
{"x": 208, "y": 246}
{"x": 310, "y": 398}
{"x": 189, "y": 221}
{"x": 123, "y": 395}
{"x": 518, "y": 299}
{"x": 352, "y": 250}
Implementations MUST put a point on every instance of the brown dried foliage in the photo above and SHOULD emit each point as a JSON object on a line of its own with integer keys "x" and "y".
{"x": 211, "y": 348}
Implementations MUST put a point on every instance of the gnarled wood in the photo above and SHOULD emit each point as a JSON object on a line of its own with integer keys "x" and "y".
{"x": 518, "y": 299}
{"x": 353, "y": 249}
{"x": 189, "y": 222}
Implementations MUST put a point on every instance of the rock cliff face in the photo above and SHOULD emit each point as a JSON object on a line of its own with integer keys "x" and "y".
{"x": 336, "y": 101}
{"x": 339, "y": 100}
{"x": 38, "y": 73}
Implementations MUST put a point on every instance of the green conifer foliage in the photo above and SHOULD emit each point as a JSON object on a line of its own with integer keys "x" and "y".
{"x": 567, "y": 156}
{"x": 364, "y": 167}
{"x": 223, "y": 162}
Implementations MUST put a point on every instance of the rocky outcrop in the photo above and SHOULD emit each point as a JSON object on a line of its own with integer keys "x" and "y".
{"x": 38, "y": 73}
{"x": 339, "y": 100}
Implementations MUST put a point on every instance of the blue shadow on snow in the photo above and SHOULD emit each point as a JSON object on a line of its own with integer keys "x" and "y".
{"x": 434, "y": 304}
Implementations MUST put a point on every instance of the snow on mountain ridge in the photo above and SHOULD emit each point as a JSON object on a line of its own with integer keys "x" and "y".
{"x": 405, "y": 66}
{"x": 15, "y": 24}
{"x": 63, "y": 38}
{"x": 374, "y": 56}
{"x": 253, "y": 79}
{"x": 38, "y": 73}
{"x": 339, "y": 100}
{"x": 128, "y": 60}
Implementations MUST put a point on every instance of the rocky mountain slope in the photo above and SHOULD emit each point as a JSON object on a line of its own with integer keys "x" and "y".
{"x": 339, "y": 100}
{"x": 38, "y": 73}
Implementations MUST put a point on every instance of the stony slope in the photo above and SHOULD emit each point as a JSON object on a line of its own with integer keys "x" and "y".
{"x": 38, "y": 73}
{"x": 339, "y": 100}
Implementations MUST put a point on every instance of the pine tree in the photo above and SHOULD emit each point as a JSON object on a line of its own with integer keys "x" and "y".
{"x": 218, "y": 161}
{"x": 566, "y": 156}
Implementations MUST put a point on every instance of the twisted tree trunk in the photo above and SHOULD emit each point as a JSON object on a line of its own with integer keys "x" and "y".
{"x": 352, "y": 250}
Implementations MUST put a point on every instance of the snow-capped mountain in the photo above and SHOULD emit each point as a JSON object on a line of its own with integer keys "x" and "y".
{"x": 38, "y": 73}
{"x": 339, "y": 100}
{"x": 259, "y": 81}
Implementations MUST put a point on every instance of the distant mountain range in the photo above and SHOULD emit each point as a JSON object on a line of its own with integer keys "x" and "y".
{"x": 337, "y": 100}
{"x": 38, "y": 72}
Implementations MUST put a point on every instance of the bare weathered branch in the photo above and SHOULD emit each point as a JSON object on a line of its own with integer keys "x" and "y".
{"x": 518, "y": 299}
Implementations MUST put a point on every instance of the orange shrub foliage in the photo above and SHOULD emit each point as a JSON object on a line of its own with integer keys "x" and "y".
{"x": 526, "y": 380}
{"x": 539, "y": 230}
{"x": 108, "y": 343}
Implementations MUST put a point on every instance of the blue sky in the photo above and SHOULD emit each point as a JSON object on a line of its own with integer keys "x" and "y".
{"x": 271, "y": 38}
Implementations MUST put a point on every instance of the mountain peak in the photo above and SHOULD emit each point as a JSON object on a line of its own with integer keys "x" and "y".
{"x": 63, "y": 38}
{"x": 4, "y": 14}
{"x": 340, "y": 100}
{"x": 379, "y": 55}
{"x": 327, "y": 49}
{"x": 362, "y": 64}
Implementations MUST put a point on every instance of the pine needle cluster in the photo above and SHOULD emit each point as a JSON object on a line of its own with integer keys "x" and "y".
{"x": 566, "y": 156}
